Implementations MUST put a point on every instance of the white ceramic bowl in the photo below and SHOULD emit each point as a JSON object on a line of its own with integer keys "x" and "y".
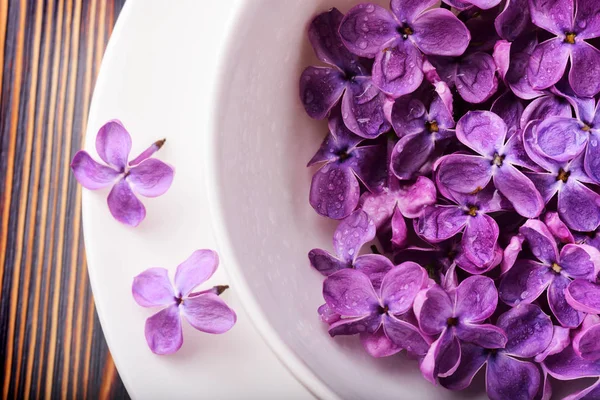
{"x": 261, "y": 142}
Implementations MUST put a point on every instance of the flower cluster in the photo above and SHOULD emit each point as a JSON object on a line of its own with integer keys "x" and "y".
{"x": 464, "y": 152}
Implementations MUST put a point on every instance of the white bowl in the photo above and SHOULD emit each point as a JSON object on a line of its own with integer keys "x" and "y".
{"x": 265, "y": 226}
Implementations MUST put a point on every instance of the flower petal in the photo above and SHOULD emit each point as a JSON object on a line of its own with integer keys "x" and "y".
{"x": 579, "y": 206}
{"x": 113, "y": 144}
{"x": 320, "y": 90}
{"x": 591, "y": 392}
{"x": 208, "y": 313}
{"x": 352, "y": 326}
{"x": 378, "y": 345}
{"x": 524, "y": 282}
{"x": 511, "y": 252}
{"x": 354, "y": 231}
{"x": 515, "y": 153}
{"x": 339, "y": 139}
{"x": 555, "y": 16}
{"x": 509, "y": 378}
{"x": 546, "y": 107}
{"x": 560, "y": 139}
{"x": 350, "y": 293}
{"x": 579, "y": 261}
{"x": 443, "y": 357}
{"x": 327, "y": 315}
{"x": 482, "y": 131}
{"x": 408, "y": 116}
{"x": 513, "y": 20}
{"x": 163, "y": 331}
{"x": 528, "y": 329}
{"x": 472, "y": 358}
{"x": 405, "y": 335}
{"x": 325, "y": 263}
{"x": 560, "y": 340}
{"x": 587, "y": 343}
{"x": 479, "y": 240}
{"x": 584, "y": 75}
{"x": 558, "y": 228}
{"x": 463, "y": 173}
{"x": 485, "y": 335}
{"x": 334, "y": 191}
{"x": 362, "y": 108}
{"x": 587, "y": 17}
{"x": 401, "y": 285}
{"x": 439, "y": 32}
{"x": 369, "y": 163}
{"x": 399, "y": 230}
{"x": 407, "y": 10}
{"x": 476, "y": 299}
{"x": 124, "y": 206}
{"x": 367, "y": 28}
{"x": 476, "y": 77}
{"x": 540, "y": 240}
{"x": 398, "y": 69}
{"x": 151, "y": 178}
{"x": 565, "y": 314}
{"x": 433, "y": 307}
{"x": 196, "y": 270}
{"x": 410, "y": 154}
{"x": 152, "y": 288}
{"x": 375, "y": 266}
{"x": 91, "y": 174}
{"x": 438, "y": 223}
{"x": 592, "y": 157}
{"x": 547, "y": 63}
{"x": 509, "y": 108}
{"x": 567, "y": 365}
{"x": 519, "y": 190}
{"x": 584, "y": 296}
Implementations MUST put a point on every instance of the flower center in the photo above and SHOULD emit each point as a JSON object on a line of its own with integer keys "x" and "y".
{"x": 556, "y": 268}
{"x": 432, "y": 126}
{"x": 570, "y": 38}
{"x": 452, "y": 321}
{"x": 498, "y": 160}
{"x": 586, "y": 128}
{"x": 343, "y": 155}
{"x": 405, "y": 31}
{"x": 563, "y": 175}
{"x": 383, "y": 310}
{"x": 472, "y": 211}
{"x": 178, "y": 300}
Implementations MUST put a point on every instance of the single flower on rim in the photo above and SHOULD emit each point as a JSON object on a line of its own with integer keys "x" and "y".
{"x": 143, "y": 175}
{"x": 203, "y": 310}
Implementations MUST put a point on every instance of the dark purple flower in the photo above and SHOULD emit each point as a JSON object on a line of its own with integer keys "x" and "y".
{"x": 322, "y": 87}
{"x": 203, "y": 310}
{"x": 573, "y": 22}
{"x": 552, "y": 270}
{"x": 366, "y": 310}
{"x": 396, "y": 39}
{"x": 508, "y": 374}
{"x": 514, "y": 20}
{"x": 143, "y": 175}
{"x": 456, "y": 318}
{"x": 335, "y": 189}
{"x": 469, "y": 215}
{"x": 485, "y": 133}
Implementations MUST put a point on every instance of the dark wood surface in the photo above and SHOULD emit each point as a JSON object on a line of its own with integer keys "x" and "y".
{"x": 51, "y": 343}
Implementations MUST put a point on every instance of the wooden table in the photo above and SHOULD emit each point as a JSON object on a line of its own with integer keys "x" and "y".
{"x": 51, "y": 342}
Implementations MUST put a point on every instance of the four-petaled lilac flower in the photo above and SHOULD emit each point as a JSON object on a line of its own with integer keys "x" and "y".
{"x": 573, "y": 22}
{"x": 203, "y": 310}
{"x": 396, "y": 39}
{"x": 322, "y": 87}
{"x": 143, "y": 175}
{"x": 508, "y": 374}
{"x": 335, "y": 190}
{"x": 378, "y": 313}
{"x": 485, "y": 133}
{"x": 469, "y": 215}
{"x": 457, "y": 317}
{"x": 553, "y": 271}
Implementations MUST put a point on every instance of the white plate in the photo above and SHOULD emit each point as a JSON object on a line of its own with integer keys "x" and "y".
{"x": 158, "y": 77}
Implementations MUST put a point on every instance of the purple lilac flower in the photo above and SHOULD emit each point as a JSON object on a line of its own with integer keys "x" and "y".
{"x": 203, "y": 310}
{"x": 396, "y": 39}
{"x": 586, "y": 342}
{"x": 456, "y": 318}
{"x": 366, "y": 310}
{"x": 509, "y": 374}
{"x": 552, "y": 271}
{"x": 485, "y": 133}
{"x": 335, "y": 189}
{"x": 346, "y": 77}
{"x": 469, "y": 215}
{"x": 573, "y": 22}
{"x": 568, "y": 365}
{"x": 514, "y": 20}
{"x": 143, "y": 175}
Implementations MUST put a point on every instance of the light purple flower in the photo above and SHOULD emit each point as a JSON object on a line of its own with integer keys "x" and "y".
{"x": 485, "y": 133}
{"x": 552, "y": 271}
{"x": 345, "y": 78}
{"x": 203, "y": 310}
{"x": 573, "y": 22}
{"x": 143, "y": 175}
{"x": 469, "y": 215}
{"x": 366, "y": 310}
{"x": 335, "y": 189}
{"x": 396, "y": 39}
{"x": 456, "y": 318}
{"x": 508, "y": 373}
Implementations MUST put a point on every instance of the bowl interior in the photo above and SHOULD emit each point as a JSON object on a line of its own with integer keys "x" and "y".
{"x": 263, "y": 142}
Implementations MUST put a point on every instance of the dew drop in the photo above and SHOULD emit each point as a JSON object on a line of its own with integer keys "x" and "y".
{"x": 308, "y": 97}
{"x": 370, "y": 8}
{"x": 362, "y": 44}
